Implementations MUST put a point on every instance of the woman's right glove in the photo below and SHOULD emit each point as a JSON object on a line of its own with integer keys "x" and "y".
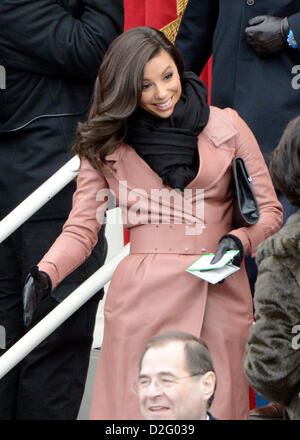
{"x": 37, "y": 286}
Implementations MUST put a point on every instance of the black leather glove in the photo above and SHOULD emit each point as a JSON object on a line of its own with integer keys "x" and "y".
{"x": 37, "y": 286}
{"x": 229, "y": 242}
{"x": 267, "y": 35}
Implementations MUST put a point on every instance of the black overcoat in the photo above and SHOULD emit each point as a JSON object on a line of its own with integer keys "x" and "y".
{"x": 265, "y": 92}
{"x": 50, "y": 52}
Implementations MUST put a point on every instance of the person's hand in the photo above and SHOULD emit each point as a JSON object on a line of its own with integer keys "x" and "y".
{"x": 229, "y": 242}
{"x": 267, "y": 35}
{"x": 37, "y": 286}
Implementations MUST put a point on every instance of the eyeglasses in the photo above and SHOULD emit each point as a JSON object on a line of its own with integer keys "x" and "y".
{"x": 162, "y": 381}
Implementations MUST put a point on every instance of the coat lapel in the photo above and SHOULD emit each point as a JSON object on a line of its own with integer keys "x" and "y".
{"x": 216, "y": 146}
{"x": 130, "y": 167}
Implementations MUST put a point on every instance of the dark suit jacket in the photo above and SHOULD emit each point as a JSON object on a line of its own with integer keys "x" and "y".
{"x": 51, "y": 51}
{"x": 211, "y": 417}
{"x": 264, "y": 92}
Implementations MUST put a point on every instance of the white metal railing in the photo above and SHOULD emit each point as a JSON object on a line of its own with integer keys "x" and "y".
{"x": 39, "y": 197}
{"x": 61, "y": 312}
{"x": 79, "y": 296}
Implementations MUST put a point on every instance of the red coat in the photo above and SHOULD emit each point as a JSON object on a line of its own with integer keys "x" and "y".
{"x": 150, "y": 290}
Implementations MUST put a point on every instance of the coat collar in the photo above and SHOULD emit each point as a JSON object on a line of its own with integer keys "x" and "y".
{"x": 118, "y": 153}
{"x": 219, "y": 128}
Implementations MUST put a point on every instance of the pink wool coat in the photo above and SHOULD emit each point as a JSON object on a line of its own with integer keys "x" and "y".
{"x": 150, "y": 290}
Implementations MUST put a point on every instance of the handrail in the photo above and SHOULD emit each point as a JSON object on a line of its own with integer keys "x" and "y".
{"x": 80, "y": 295}
{"x": 61, "y": 312}
{"x": 39, "y": 197}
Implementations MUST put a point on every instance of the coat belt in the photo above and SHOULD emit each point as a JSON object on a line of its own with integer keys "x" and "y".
{"x": 176, "y": 238}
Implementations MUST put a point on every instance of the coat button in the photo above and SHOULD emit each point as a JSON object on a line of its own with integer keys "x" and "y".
{"x": 250, "y": 2}
{"x": 203, "y": 250}
{"x": 204, "y": 227}
{"x": 186, "y": 249}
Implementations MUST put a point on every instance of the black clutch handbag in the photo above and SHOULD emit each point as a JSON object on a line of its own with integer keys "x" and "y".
{"x": 246, "y": 209}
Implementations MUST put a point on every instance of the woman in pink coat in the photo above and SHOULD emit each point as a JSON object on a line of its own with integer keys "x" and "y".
{"x": 167, "y": 157}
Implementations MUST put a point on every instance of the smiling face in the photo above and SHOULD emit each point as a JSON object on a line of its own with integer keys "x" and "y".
{"x": 184, "y": 400}
{"x": 161, "y": 85}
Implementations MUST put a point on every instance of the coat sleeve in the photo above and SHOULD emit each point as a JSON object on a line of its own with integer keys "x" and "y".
{"x": 80, "y": 232}
{"x": 42, "y": 37}
{"x": 272, "y": 358}
{"x": 294, "y": 22}
{"x": 271, "y": 212}
{"x": 195, "y": 35}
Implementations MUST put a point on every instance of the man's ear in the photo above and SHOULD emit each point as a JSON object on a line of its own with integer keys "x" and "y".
{"x": 208, "y": 383}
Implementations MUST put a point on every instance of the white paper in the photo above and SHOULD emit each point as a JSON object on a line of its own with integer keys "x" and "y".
{"x": 216, "y": 275}
{"x": 203, "y": 262}
{"x": 213, "y": 273}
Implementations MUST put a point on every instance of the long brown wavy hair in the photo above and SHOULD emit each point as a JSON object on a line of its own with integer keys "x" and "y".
{"x": 117, "y": 92}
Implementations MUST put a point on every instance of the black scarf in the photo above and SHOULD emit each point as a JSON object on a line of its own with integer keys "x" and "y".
{"x": 169, "y": 145}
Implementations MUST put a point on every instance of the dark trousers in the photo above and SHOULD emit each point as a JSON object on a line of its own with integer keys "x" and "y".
{"x": 49, "y": 383}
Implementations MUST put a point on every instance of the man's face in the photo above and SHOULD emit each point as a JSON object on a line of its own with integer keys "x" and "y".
{"x": 184, "y": 399}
